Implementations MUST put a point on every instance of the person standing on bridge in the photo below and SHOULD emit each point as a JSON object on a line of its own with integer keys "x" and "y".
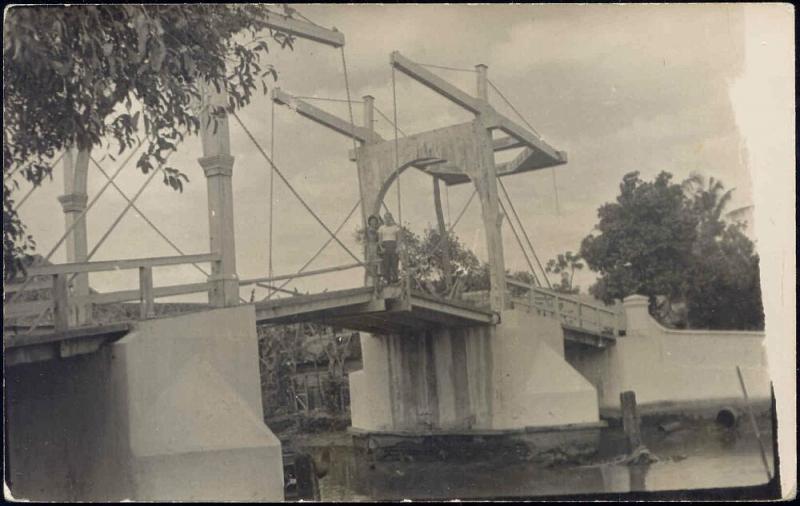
{"x": 389, "y": 234}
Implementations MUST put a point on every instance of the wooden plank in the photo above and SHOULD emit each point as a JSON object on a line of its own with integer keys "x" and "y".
{"x": 453, "y": 310}
{"x": 30, "y": 308}
{"x": 110, "y": 330}
{"x": 134, "y": 295}
{"x": 111, "y": 265}
{"x": 44, "y": 284}
{"x": 297, "y": 306}
{"x": 304, "y": 30}
{"x": 434, "y": 82}
{"x": 529, "y": 138}
{"x": 324, "y": 118}
{"x": 505, "y": 143}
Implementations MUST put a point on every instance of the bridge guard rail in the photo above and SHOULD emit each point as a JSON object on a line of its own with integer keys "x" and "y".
{"x": 61, "y": 303}
{"x": 571, "y": 311}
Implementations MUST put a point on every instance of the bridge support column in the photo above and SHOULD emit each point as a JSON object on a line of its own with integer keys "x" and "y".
{"x": 224, "y": 290}
{"x": 73, "y": 204}
{"x": 486, "y": 183}
{"x": 217, "y": 164}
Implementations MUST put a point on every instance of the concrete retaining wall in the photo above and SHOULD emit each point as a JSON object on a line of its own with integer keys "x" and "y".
{"x": 674, "y": 369}
{"x": 534, "y": 385}
{"x": 170, "y": 412}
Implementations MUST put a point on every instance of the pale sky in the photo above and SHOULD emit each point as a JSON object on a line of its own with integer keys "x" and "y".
{"x": 619, "y": 88}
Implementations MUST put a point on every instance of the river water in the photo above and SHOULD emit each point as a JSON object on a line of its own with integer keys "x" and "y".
{"x": 698, "y": 455}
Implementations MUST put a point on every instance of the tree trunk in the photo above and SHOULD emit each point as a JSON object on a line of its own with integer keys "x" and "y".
{"x": 437, "y": 200}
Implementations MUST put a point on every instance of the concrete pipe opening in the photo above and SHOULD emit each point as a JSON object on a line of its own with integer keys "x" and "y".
{"x": 728, "y": 417}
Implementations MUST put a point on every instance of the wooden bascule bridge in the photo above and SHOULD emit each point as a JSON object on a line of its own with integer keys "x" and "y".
{"x": 48, "y": 316}
{"x": 458, "y": 154}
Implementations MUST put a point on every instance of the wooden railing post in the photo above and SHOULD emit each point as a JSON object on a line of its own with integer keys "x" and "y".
{"x": 60, "y": 303}
{"x": 146, "y": 305}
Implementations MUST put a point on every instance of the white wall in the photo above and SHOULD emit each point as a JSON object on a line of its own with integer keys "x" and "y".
{"x": 533, "y": 385}
{"x": 369, "y": 387}
{"x": 675, "y": 366}
{"x": 194, "y": 413}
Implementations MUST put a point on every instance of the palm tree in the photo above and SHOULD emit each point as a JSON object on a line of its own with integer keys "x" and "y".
{"x": 707, "y": 202}
{"x": 565, "y": 264}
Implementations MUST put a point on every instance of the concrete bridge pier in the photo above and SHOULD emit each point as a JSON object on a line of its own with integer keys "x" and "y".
{"x": 511, "y": 377}
{"x": 172, "y": 411}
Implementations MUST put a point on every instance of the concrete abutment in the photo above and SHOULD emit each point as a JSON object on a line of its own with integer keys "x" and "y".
{"x": 170, "y": 412}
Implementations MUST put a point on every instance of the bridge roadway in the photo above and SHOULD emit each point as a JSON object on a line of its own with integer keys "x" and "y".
{"x": 386, "y": 311}
{"x": 362, "y": 309}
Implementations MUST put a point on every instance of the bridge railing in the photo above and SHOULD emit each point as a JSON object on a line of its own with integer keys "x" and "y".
{"x": 62, "y": 303}
{"x": 571, "y": 311}
{"x": 266, "y": 281}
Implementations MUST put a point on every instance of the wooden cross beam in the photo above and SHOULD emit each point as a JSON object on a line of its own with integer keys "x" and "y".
{"x": 519, "y": 136}
{"x": 325, "y": 119}
{"x": 305, "y": 30}
{"x": 434, "y": 82}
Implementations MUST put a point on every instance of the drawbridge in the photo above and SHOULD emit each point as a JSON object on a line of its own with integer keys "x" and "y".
{"x": 49, "y": 313}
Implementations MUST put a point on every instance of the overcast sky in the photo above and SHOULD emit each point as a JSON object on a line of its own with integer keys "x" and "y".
{"x": 619, "y": 88}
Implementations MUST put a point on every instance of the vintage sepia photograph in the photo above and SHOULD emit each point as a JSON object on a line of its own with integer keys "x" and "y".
{"x": 392, "y": 252}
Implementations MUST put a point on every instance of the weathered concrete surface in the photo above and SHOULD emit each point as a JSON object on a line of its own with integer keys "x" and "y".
{"x": 533, "y": 385}
{"x": 508, "y": 377}
{"x": 674, "y": 369}
{"x": 170, "y": 412}
{"x": 64, "y": 431}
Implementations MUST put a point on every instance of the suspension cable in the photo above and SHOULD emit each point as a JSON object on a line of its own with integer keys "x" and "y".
{"x": 33, "y": 188}
{"x": 113, "y": 225}
{"x": 443, "y": 67}
{"x": 7, "y": 177}
{"x": 145, "y": 218}
{"x": 352, "y": 125}
{"x": 24, "y": 198}
{"x": 75, "y": 223}
{"x": 291, "y": 188}
{"x": 522, "y": 227}
{"x": 519, "y": 242}
{"x": 389, "y": 121}
{"x": 521, "y": 117}
{"x": 127, "y": 207}
{"x": 352, "y": 122}
{"x": 322, "y": 248}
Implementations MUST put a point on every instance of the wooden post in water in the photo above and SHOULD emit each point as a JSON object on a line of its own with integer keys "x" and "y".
{"x": 630, "y": 420}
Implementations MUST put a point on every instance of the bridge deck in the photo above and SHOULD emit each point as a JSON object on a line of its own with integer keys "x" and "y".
{"x": 47, "y": 344}
{"x": 361, "y": 309}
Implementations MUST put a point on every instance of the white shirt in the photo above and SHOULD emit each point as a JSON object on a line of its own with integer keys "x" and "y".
{"x": 388, "y": 233}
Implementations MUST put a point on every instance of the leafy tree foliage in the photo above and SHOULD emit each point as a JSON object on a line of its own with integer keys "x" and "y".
{"x": 93, "y": 75}
{"x": 666, "y": 239}
{"x": 565, "y": 265}
{"x": 424, "y": 252}
{"x": 725, "y": 290}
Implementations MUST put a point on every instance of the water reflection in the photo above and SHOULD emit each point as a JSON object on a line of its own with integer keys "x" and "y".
{"x": 692, "y": 458}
